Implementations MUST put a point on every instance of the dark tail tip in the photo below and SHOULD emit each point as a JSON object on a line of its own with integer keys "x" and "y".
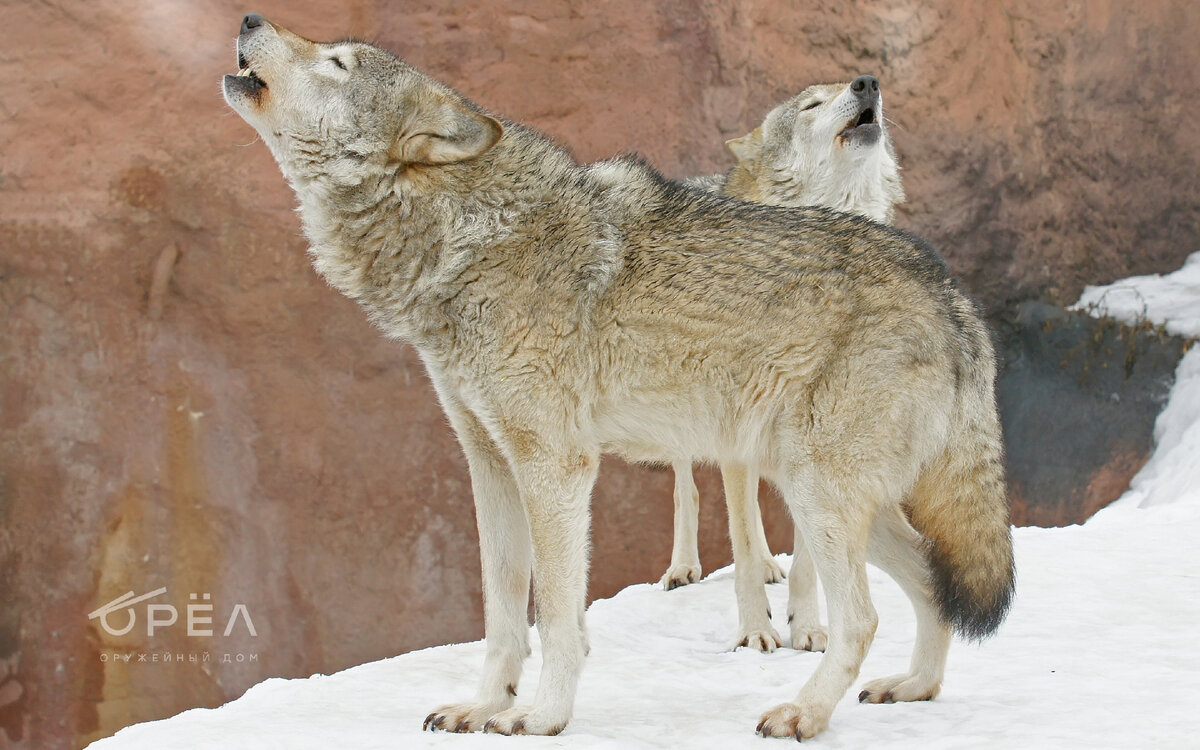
{"x": 975, "y": 609}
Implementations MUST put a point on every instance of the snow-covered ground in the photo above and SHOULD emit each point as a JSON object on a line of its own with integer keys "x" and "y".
{"x": 1172, "y": 474}
{"x": 1172, "y": 300}
{"x": 1099, "y": 651}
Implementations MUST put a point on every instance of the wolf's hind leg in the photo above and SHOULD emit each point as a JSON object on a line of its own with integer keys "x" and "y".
{"x": 804, "y": 614}
{"x": 836, "y": 522}
{"x": 754, "y": 613}
{"x": 506, "y": 557}
{"x": 685, "y": 551}
{"x": 898, "y": 550}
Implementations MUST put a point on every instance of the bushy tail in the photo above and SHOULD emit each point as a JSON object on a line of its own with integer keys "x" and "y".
{"x": 960, "y": 505}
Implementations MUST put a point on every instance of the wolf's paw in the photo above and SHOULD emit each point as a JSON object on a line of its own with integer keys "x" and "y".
{"x": 899, "y": 688}
{"x": 809, "y": 636}
{"x": 766, "y": 640}
{"x": 680, "y": 575}
{"x": 793, "y": 720}
{"x": 462, "y": 717}
{"x": 772, "y": 572}
{"x": 524, "y": 720}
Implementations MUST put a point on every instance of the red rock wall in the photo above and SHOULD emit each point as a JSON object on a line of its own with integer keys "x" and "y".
{"x": 243, "y": 432}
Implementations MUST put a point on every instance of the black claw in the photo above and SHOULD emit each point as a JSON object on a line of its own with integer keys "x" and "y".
{"x": 462, "y": 726}
{"x": 862, "y": 697}
{"x": 799, "y": 734}
{"x": 512, "y": 690}
{"x": 489, "y": 725}
{"x": 433, "y": 721}
{"x": 519, "y": 727}
{"x": 759, "y": 729}
{"x": 768, "y": 613}
{"x": 790, "y": 618}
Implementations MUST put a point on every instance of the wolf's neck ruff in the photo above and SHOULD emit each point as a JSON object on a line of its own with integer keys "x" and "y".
{"x": 868, "y": 189}
{"x": 406, "y": 240}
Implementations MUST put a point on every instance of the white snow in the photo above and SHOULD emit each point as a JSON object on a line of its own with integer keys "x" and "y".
{"x": 1099, "y": 651}
{"x": 1172, "y": 300}
{"x": 1172, "y": 474}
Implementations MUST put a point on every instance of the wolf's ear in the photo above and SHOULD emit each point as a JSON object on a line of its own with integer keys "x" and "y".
{"x": 450, "y": 134}
{"x": 747, "y": 147}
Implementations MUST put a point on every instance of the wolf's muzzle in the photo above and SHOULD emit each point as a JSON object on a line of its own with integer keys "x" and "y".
{"x": 251, "y": 22}
{"x": 866, "y": 89}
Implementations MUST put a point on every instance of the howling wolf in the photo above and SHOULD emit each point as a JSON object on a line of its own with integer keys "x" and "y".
{"x": 563, "y": 310}
{"x": 826, "y": 146}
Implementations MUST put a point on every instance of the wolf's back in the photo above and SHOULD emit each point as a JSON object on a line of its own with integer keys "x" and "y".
{"x": 960, "y": 503}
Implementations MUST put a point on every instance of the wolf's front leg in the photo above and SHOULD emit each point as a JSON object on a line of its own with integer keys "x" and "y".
{"x": 745, "y": 526}
{"x": 772, "y": 572}
{"x": 506, "y": 556}
{"x": 555, "y": 487}
{"x": 685, "y": 551}
{"x": 804, "y": 614}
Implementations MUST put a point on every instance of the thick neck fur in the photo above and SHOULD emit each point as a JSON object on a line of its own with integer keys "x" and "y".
{"x": 868, "y": 185}
{"x": 402, "y": 240}
{"x": 865, "y": 184}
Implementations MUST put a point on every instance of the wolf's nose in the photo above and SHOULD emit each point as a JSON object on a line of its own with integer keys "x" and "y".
{"x": 252, "y": 21}
{"x": 865, "y": 86}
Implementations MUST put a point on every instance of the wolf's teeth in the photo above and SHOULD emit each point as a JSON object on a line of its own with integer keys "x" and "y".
{"x": 244, "y": 72}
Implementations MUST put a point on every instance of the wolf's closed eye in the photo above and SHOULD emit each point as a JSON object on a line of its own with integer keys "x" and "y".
{"x": 337, "y": 61}
{"x": 812, "y": 105}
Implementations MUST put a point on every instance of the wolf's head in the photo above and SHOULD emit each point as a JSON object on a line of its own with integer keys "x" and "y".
{"x": 343, "y": 111}
{"x": 826, "y": 146}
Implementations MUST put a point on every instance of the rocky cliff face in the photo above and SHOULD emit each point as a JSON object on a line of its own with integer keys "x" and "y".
{"x": 183, "y": 404}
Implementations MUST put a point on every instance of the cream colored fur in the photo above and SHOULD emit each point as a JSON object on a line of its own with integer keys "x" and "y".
{"x": 799, "y": 156}
{"x": 563, "y": 311}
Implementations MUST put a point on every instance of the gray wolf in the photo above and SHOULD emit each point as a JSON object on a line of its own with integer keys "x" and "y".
{"x": 563, "y": 310}
{"x": 826, "y": 146}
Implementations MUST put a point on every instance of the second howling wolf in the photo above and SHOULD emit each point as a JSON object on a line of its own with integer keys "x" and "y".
{"x": 827, "y": 146}
{"x": 563, "y": 310}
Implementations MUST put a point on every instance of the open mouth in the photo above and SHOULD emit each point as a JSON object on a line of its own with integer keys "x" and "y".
{"x": 253, "y": 82}
{"x": 246, "y": 79}
{"x": 864, "y": 127}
